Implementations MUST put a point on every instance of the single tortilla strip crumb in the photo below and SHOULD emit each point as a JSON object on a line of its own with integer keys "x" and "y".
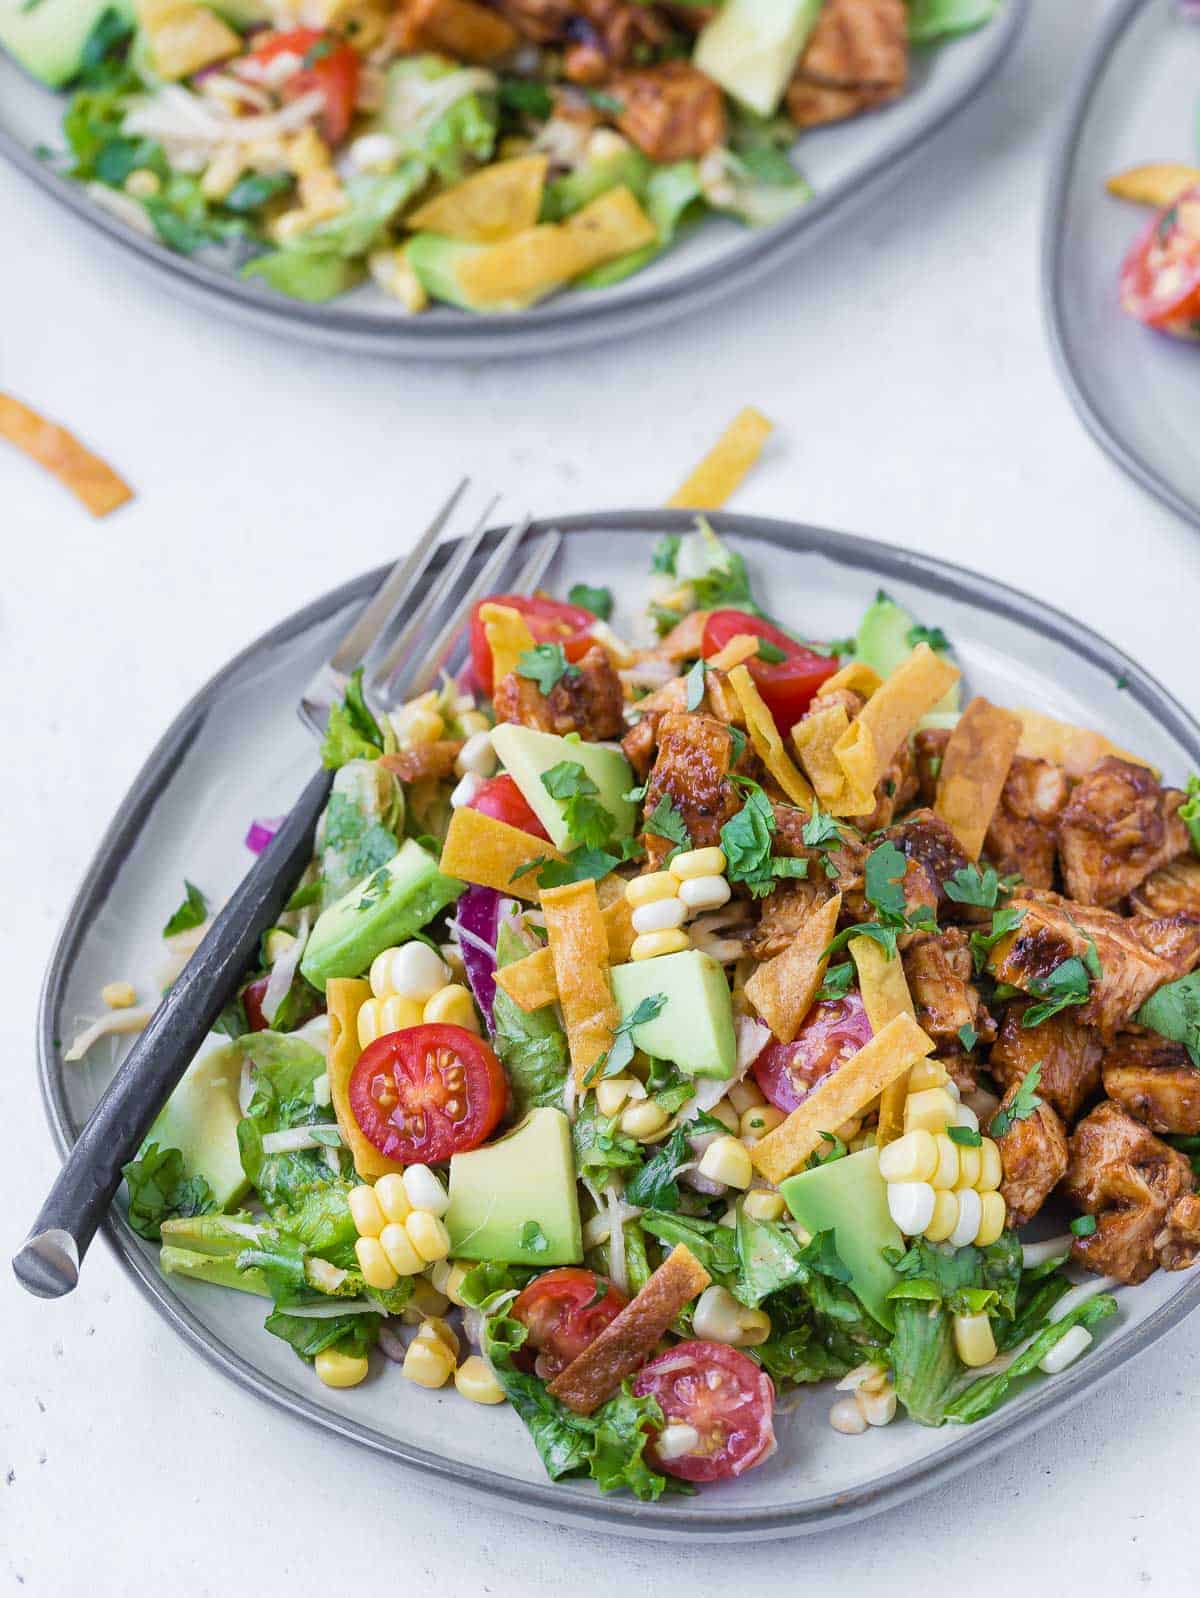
{"x": 579, "y": 949}
{"x": 783, "y": 988}
{"x": 91, "y": 480}
{"x": 885, "y": 995}
{"x": 721, "y": 471}
{"x": 974, "y": 770}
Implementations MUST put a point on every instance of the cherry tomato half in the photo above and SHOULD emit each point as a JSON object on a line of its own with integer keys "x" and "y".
{"x": 330, "y": 66}
{"x": 787, "y": 685}
{"x": 1160, "y": 277}
{"x": 427, "y": 1092}
{"x": 549, "y": 620}
{"x": 500, "y": 797}
{"x": 565, "y": 1311}
{"x": 725, "y": 1396}
{"x": 831, "y": 1032}
{"x": 253, "y": 995}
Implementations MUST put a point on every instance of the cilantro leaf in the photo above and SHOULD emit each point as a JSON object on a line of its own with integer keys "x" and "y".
{"x": 746, "y": 840}
{"x": 838, "y": 981}
{"x": 665, "y": 821}
{"x": 598, "y": 600}
{"x": 968, "y": 1036}
{"x": 933, "y": 636}
{"x": 352, "y": 733}
{"x": 365, "y": 845}
{"x": 579, "y": 866}
{"x": 620, "y": 1052}
{"x": 884, "y": 879}
{"x": 1003, "y": 922}
{"x": 1084, "y": 1225}
{"x": 1024, "y": 1102}
{"x": 694, "y": 685}
{"x": 1174, "y": 1012}
{"x": 1068, "y": 984}
{"x": 193, "y": 912}
{"x": 969, "y": 886}
{"x": 654, "y": 1186}
{"x": 533, "y": 1238}
{"x": 546, "y": 665}
{"x": 967, "y": 1136}
{"x": 771, "y": 653}
{"x": 820, "y": 830}
{"x": 588, "y": 822}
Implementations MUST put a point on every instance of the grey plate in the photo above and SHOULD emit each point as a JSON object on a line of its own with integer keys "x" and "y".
{"x": 843, "y": 163}
{"x": 238, "y": 750}
{"x": 1136, "y": 390}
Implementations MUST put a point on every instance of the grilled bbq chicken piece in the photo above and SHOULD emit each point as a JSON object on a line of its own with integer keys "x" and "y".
{"x": 599, "y": 35}
{"x": 856, "y": 58}
{"x": 841, "y": 865}
{"x": 1154, "y": 1081}
{"x": 695, "y": 757}
{"x": 1170, "y": 889}
{"x": 462, "y": 29}
{"x": 1034, "y": 1155}
{"x": 1131, "y": 1181}
{"x": 1174, "y": 938}
{"x": 938, "y": 967}
{"x": 671, "y": 111}
{"x": 1069, "y": 1054}
{"x": 586, "y": 699}
{"x": 926, "y": 838}
{"x": 784, "y": 913}
{"x": 1119, "y": 825}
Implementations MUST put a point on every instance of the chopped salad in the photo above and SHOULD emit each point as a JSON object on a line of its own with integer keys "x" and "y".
{"x": 480, "y": 153}
{"x": 662, "y": 1026}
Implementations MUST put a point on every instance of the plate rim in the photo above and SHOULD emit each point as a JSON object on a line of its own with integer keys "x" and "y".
{"x": 581, "y": 1508}
{"x": 556, "y": 325}
{"x": 1088, "y": 405}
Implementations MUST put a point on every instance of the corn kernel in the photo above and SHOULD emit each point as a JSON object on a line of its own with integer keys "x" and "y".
{"x": 969, "y": 1164}
{"x": 428, "y": 1236}
{"x": 452, "y": 1006}
{"x": 644, "y": 1119}
{"x": 927, "y": 1074}
{"x": 365, "y": 1210}
{"x": 611, "y": 1093}
{"x": 745, "y": 1095}
{"x": 931, "y": 1110}
{"x": 911, "y": 1158}
{"x": 377, "y": 1017}
{"x": 945, "y": 1215}
{"x": 661, "y": 916}
{"x": 877, "y": 1406}
{"x": 418, "y": 724}
{"x": 974, "y": 1341}
{"x": 948, "y": 1161}
{"x": 402, "y": 1256}
{"x": 427, "y": 1298}
{"x": 727, "y": 1160}
{"x": 391, "y": 1197}
{"x": 727, "y": 1115}
{"x": 760, "y": 1119}
{"x": 992, "y": 1215}
{"x": 704, "y": 893}
{"x": 698, "y": 863}
{"x": 649, "y": 945}
{"x": 991, "y": 1167}
{"x": 340, "y": 1370}
{"x": 409, "y": 970}
{"x": 650, "y": 889}
{"x": 434, "y": 1326}
{"x": 474, "y": 1380}
{"x": 970, "y": 1213}
{"x": 448, "y": 1277}
{"x": 373, "y": 1262}
{"x": 425, "y": 1190}
{"x": 118, "y": 995}
{"x": 472, "y": 721}
{"x": 427, "y": 1362}
{"x": 762, "y": 1205}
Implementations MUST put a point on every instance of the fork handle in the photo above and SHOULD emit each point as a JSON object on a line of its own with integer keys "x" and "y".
{"x": 47, "y": 1264}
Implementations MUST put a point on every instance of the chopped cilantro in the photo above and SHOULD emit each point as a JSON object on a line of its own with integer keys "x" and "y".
{"x": 373, "y": 890}
{"x": 966, "y": 1136}
{"x": 833, "y": 1149}
{"x": 820, "y": 831}
{"x": 546, "y": 665}
{"x": 533, "y": 1238}
{"x": 588, "y": 823}
{"x": 1083, "y": 1225}
{"x": 968, "y": 1036}
{"x": 771, "y": 653}
{"x": 1122, "y": 682}
{"x": 635, "y": 795}
{"x": 746, "y": 840}
{"x": 1189, "y": 812}
{"x": 579, "y": 866}
{"x": 838, "y": 981}
{"x": 970, "y": 886}
{"x": 1068, "y": 984}
{"x": 193, "y": 912}
{"x": 1004, "y": 921}
{"x": 598, "y": 600}
{"x": 1024, "y": 1102}
{"x": 665, "y": 554}
{"x": 884, "y": 878}
{"x": 933, "y": 636}
{"x": 620, "y": 1052}
{"x": 694, "y": 685}
{"x": 665, "y": 821}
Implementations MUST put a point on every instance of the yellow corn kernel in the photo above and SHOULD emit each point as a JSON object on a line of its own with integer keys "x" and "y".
{"x": 119, "y": 995}
{"x": 474, "y": 1380}
{"x": 991, "y": 1167}
{"x": 373, "y": 1262}
{"x": 340, "y": 1370}
{"x": 698, "y": 863}
{"x": 391, "y": 1197}
{"x": 222, "y": 172}
{"x": 931, "y": 1110}
{"x": 366, "y": 1211}
{"x": 644, "y": 1119}
{"x": 418, "y": 724}
{"x": 651, "y": 944}
{"x": 142, "y": 183}
{"x": 650, "y": 889}
{"x": 448, "y": 1277}
{"x": 745, "y": 1095}
{"x": 945, "y": 1215}
{"x": 911, "y": 1158}
{"x": 428, "y": 1236}
{"x": 434, "y": 1326}
{"x": 428, "y": 1362}
{"x": 760, "y": 1119}
{"x": 762, "y": 1205}
{"x": 973, "y": 1340}
{"x": 927, "y": 1074}
{"x": 992, "y": 1215}
{"x": 727, "y": 1115}
{"x": 948, "y": 1162}
{"x": 969, "y": 1164}
{"x": 427, "y": 1298}
{"x": 453, "y": 1006}
{"x": 472, "y": 721}
{"x": 377, "y": 1017}
{"x": 612, "y": 1091}
{"x": 402, "y": 1256}
{"x": 393, "y": 271}
{"x": 727, "y": 1160}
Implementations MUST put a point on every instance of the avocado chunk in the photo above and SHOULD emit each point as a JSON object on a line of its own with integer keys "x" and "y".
{"x": 393, "y": 903}
{"x": 694, "y": 1028}
{"x": 48, "y": 38}
{"x": 751, "y": 48}
{"x": 515, "y": 1200}
{"x": 200, "y": 1119}
{"x": 849, "y": 1198}
{"x": 883, "y": 642}
{"x": 528, "y": 754}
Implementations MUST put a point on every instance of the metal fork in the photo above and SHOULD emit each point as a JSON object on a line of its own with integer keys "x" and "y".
{"x": 48, "y": 1262}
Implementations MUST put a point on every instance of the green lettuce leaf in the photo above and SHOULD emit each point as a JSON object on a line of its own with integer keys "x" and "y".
{"x": 161, "y": 1190}
{"x": 531, "y": 1044}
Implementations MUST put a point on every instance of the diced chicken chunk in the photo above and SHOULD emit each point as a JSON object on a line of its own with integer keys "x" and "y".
{"x": 938, "y": 967}
{"x": 1154, "y": 1081}
{"x": 1178, "y": 1244}
{"x": 784, "y": 913}
{"x": 841, "y": 865}
{"x": 695, "y": 757}
{"x": 1022, "y": 839}
{"x": 1033, "y": 1153}
{"x": 1174, "y": 938}
{"x": 420, "y": 761}
{"x": 1069, "y": 1054}
{"x": 1119, "y": 825}
{"x": 463, "y": 29}
{"x": 927, "y": 839}
{"x": 1170, "y": 889}
{"x": 671, "y": 111}
{"x": 856, "y": 58}
{"x": 586, "y": 699}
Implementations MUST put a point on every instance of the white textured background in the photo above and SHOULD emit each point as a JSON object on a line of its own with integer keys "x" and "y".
{"x": 916, "y": 401}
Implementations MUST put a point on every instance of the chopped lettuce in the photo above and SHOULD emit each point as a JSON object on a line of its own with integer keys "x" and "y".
{"x": 931, "y": 20}
{"x": 565, "y": 195}
{"x": 531, "y": 1044}
{"x": 283, "y": 1070}
{"x": 442, "y": 115}
{"x": 986, "y": 1395}
{"x": 352, "y": 733}
{"x": 310, "y": 1335}
{"x": 160, "y": 1189}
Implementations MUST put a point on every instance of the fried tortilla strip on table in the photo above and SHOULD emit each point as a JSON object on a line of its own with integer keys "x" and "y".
{"x": 490, "y": 853}
{"x": 721, "y": 471}
{"x": 89, "y": 478}
{"x": 579, "y": 949}
{"x": 868, "y": 746}
{"x": 530, "y": 982}
{"x": 627, "y": 1342}
{"x": 1075, "y": 749}
{"x": 885, "y": 995}
{"x": 842, "y": 1094}
{"x": 974, "y": 770}
{"x": 344, "y": 998}
{"x": 783, "y": 988}
{"x": 768, "y": 745}
{"x": 508, "y": 638}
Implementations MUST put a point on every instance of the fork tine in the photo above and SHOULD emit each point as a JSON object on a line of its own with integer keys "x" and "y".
{"x": 536, "y": 567}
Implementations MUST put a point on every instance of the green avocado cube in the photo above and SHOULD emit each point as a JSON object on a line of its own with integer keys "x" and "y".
{"x": 528, "y": 754}
{"x": 48, "y": 37}
{"x": 751, "y": 48}
{"x": 849, "y": 1198}
{"x": 516, "y": 1200}
{"x": 694, "y": 1028}
{"x": 200, "y": 1119}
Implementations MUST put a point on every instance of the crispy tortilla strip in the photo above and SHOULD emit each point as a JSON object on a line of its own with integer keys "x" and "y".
{"x": 345, "y": 997}
{"x": 974, "y": 769}
{"x": 86, "y": 475}
{"x": 685, "y": 640}
{"x": 764, "y": 735}
{"x": 1075, "y": 749}
{"x": 738, "y": 650}
{"x": 816, "y": 738}
{"x": 579, "y": 949}
{"x": 627, "y": 1342}
{"x": 722, "y": 469}
{"x": 488, "y": 852}
{"x": 855, "y": 675}
{"x": 492, "y": 204}
{"x": 885, "y": 995}
{"x": 868, "y": 746}
{"x": 845, "y": 1092}
{"x": 783, "y": 988}
{"x": 508, "y": 638}
{"x": 530, "y": 982}
{"x": 1159, "y": 183}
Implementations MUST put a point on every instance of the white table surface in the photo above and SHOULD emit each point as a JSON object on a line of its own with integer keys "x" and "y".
{"x": 915, "y": 398}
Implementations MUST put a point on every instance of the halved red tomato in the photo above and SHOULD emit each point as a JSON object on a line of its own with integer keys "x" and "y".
{"x": 500, "y": 797}
{"x": 427, "y": 1092}
{"x": 549, "y": 620}
{"x": 721, "y": 1395}
{"x": 832, "y": 1031}
{"x": 330, "y": 65}
{"x": 1160, "y": 277}
{"x": 565, "y": 1311}
{"x": 788, "y": 685}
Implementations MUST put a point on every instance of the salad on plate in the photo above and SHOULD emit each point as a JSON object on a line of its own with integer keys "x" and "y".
{"x": 678, "y": 1015}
